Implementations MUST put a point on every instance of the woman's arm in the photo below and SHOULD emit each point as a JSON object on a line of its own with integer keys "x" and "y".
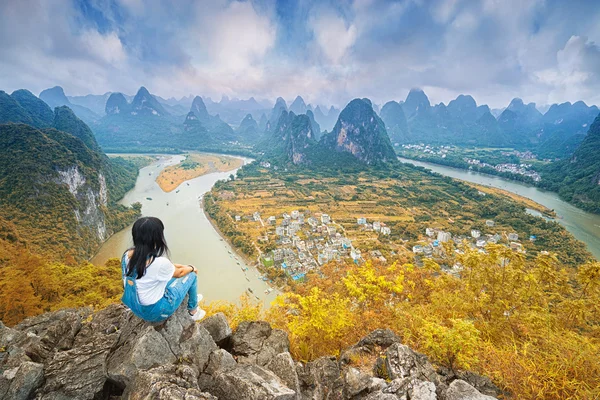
{"x": 183, "y": 270}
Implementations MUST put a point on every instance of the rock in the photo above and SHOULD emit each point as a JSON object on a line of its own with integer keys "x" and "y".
{"x": 80, "y": 372}
{"x": 479, "y": 382}
{"x": 250, "y": 382}
{"x": 377, "y": 384}
{"x": 278, "y": 342}
{"x": 249, "y": 337}
{"x": 196, "y": 346}
{"x": 284, "y": 367}
{"x": 19, "y": 383}
{"x": 402, "y": 362}
{"x": 461, "y": 390}
{"x": 381, "y": 396}
{"x": 256, "y": 342}
{"x": 139, "y": 351}
{"x": 421, "y": 390}
{"x": 173, "y": 328}
{"x": 380, "y": 337}
{"x": 218, "y": 327}
{"x": 166, "y": 383}
{"x": 355, "y": 382}
{"x": 220, "y": 360}
{"x": 320, "y": 379}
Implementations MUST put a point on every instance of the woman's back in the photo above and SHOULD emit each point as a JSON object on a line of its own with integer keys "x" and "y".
{"x": 151, "y": 287}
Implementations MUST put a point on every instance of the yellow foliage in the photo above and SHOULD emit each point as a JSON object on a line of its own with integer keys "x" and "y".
{"x": 246, "y": 310}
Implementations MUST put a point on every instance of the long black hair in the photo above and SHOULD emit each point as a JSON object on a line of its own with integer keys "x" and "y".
{"x": 148, "y": 243}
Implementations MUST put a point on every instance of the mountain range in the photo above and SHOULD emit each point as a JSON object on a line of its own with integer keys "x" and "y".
{"x": 52, "y": 169}
{"x": 462, "y": 122}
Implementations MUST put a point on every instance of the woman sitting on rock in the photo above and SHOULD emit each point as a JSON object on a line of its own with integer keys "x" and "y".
{"x": 154, "y": 286}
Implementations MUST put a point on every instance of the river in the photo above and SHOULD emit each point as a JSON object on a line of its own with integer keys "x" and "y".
{"x": 583, "y": 225}
{"x": 191, "y": 237}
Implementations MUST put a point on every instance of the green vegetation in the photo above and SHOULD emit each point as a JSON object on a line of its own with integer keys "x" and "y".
{"x": 577, "y": 179}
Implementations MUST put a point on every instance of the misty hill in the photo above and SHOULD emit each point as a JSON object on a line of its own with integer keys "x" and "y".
{"x": 55, "y": 97}
{"x": 278, "y": 109}
{"x": 298, "y": 106}
{"x": 52, "y": 169}
{"x": 248, "y": 127}
{"x": 577, "y": 179}
{"x": 394, "y": 118}
{"x": 146, "y": 105}
{"x": 292, "y": 140}
{"x": 360, "y": 132}
{"x": 94, "y": 102}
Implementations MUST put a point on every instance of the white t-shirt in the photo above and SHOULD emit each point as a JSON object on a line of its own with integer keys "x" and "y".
{"x": 151, "y": 287}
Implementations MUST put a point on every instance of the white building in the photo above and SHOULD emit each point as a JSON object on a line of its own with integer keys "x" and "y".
{"x": 475, "y": 233}
{"x": 430, "y": 232}
{"x": 376, "y": 226}
{"x": 256, "y": 216}
{"x": 513, "y": 237}
{"x": 295, "y": 214}
{"x": 490, "y": 223}
{"x": 325, "y": 219}
{"x": 238, "y": 218}
{"x": 385, "y": 230}
{"x": 361, "y": 221}
{"x": 272, "y": 220}
{"x": 443, "y": 237}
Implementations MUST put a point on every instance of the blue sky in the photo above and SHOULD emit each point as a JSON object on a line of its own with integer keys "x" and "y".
{"x": 329, "y": 52}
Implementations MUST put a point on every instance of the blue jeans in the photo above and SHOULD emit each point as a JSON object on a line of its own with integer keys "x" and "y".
{"x": 176, "y": 290}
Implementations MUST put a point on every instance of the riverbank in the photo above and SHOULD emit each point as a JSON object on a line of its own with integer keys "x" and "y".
{"x": 195, "y": 165}
{"x": 519, "y": 199}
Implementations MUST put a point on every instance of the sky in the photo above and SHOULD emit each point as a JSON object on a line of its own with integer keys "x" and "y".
{"x": 543, "y": 51}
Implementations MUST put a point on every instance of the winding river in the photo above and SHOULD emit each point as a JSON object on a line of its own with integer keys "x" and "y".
{"x": 583, "y": 225}
{"x": 191, "y": 237}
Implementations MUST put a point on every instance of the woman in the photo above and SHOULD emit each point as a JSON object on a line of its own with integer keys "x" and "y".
{"x": 154, "y": 286}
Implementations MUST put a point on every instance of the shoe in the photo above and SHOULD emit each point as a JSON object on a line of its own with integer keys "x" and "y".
{"x": 200, "y": 297}
{"x": 198, "y": 315}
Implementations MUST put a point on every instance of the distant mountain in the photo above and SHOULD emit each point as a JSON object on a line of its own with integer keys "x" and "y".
{"x": 577, "y": 179}
{"x": 326, "y": 121}
{"x": 94, "y": 102}
{"x": 12, "y": 111}
{"x": 199, "y": 109}
{"x": 262, "y": 123}
{"x": 298, "y": 106}
{"x": 292, "y": 140}
{"x": 55, "y": 97}
{"x": 316, "y": 128}
{"x": 145, "y": 104}
{"x": 360, "y": 132}
{"x": 415, "y": 101}
{"x": 248, "y": 127}
{"x": 564, "y": 128}
{"x": 117, "y": 104}
{"x": 41, "y": 114}
{"x": 65, "y": 120}
{"x": 393, "y": 116}
{"x": 279, "y": 107}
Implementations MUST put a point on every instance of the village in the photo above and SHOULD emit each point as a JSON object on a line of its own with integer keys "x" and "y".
{"x": 519, "y": 169}
{"x": 304, "y": 241}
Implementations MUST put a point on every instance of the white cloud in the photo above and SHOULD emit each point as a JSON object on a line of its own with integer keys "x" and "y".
{"x": 333, "y": 35}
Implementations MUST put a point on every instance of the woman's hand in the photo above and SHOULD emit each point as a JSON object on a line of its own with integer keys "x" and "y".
{"x": 183, "y": 270}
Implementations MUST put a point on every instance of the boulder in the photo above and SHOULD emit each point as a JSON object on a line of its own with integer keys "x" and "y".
{"x": 250, "y": 382}
{"x": 166, "y": 383}
{"x": 378, "y": 339}
{"x": 355, "y": 382}
{"x": 141, "y": 351}
{"x": 321, "y": 379}
{"x": 461, "y": 390}
{"x": 172, "y": 329}
{"x": 196, "y": 346}
{"x": 220, "y": 360}
{"x": 257, "y": 343}
{"x": 422, "y": 390}
{"x": 402, "y": 362}
{"x": 479, "y": 382}
{"x": 284, "y": 367}
{"x": 218, "y": 327}
{"x": 19, "y": 383}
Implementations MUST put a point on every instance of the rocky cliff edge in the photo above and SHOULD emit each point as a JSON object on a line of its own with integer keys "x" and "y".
{"x": 111, "y": 354}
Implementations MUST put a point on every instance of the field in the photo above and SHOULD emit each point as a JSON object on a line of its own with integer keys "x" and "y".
{"x": 195, "y": 165}
{"x": 406, "y": 199}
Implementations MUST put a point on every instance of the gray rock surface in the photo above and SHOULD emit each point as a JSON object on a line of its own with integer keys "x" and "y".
{"x": 461, "y": 390}
{"x": 251, "y": 382}
{"x": 218, "y": 327}
{"x": 111, "y": 354}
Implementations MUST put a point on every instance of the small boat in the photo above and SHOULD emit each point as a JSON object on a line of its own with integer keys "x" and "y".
{"x": 250, "y": 290}
{"x": 187, "y": 184}
{"x": 247, "y": 279}
{"x": 177, "y": 191}
{"x": 167, "y": 203}
{"x": 257, "y": 298}
{"x": 148, "y": 198}
{"x": 239, "y": 264}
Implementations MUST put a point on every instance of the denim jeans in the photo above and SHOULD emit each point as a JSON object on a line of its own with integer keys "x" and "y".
{"x": 176, "y": 290}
